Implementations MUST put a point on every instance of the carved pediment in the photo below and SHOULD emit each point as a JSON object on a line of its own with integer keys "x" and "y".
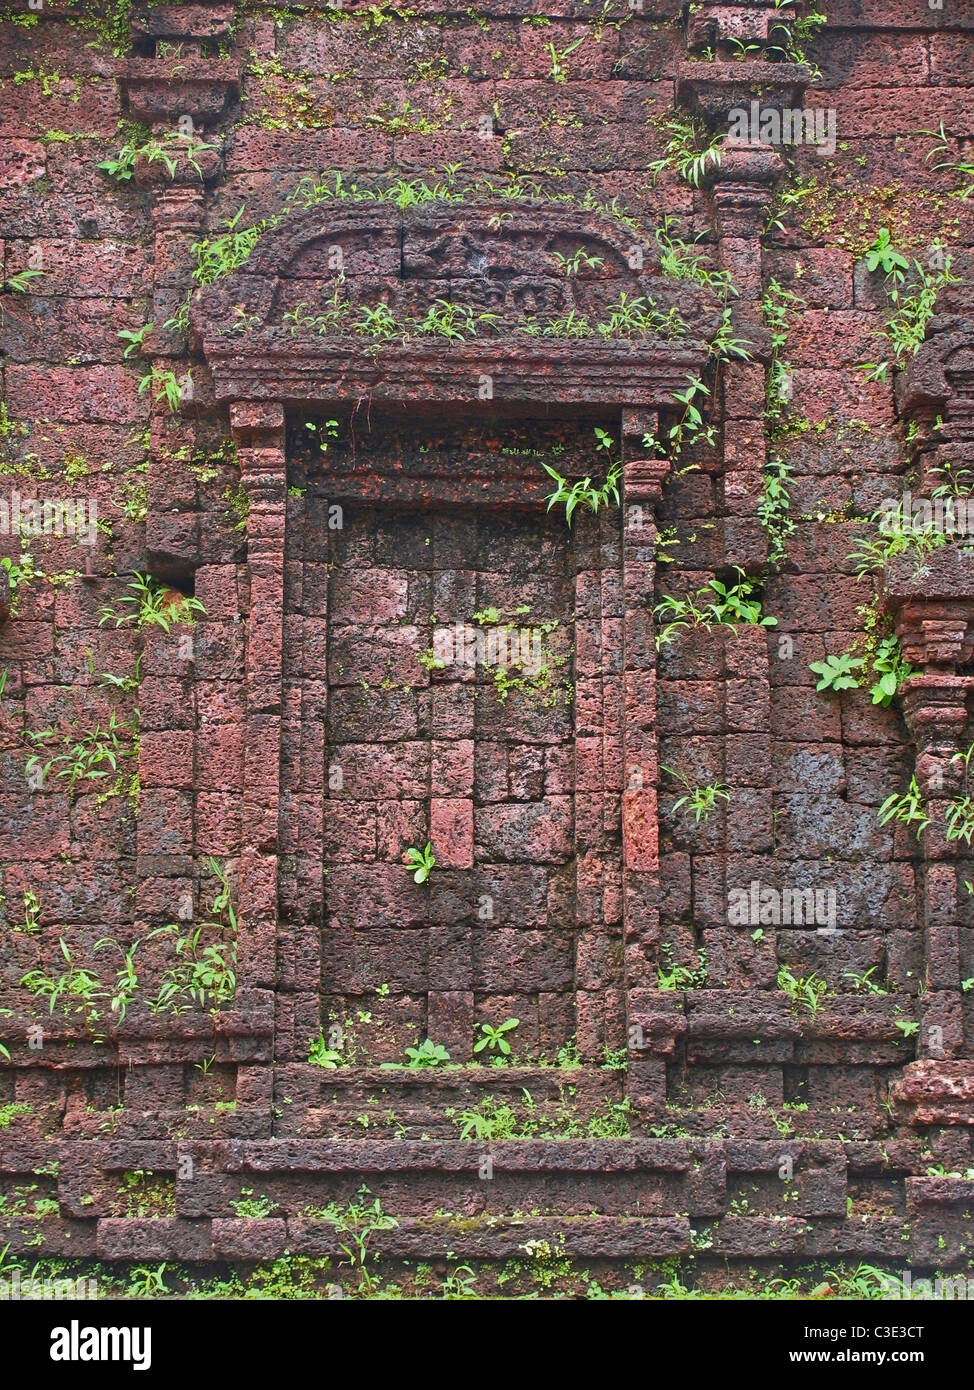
{"x": 364, "y": 299}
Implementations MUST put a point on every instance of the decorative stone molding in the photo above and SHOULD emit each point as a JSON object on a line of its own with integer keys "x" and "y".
{"x": 482, "y": 257}
{"x": 175, "y": 73}
{"x": 933, "y": 605}
{"x": 714, "y": 90}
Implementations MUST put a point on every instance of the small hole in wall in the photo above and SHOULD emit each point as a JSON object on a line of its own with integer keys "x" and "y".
{"x": 175, "y": 573}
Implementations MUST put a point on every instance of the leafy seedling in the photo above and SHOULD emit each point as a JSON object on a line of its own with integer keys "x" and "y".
{"x": 493, "y": 1039}
{"x": 420, "y": 861}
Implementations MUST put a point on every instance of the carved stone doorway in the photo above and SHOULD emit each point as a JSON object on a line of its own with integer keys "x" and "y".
{"x": 559, "y": 822}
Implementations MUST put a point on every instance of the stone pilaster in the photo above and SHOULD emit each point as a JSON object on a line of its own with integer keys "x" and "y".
{"x": 644, "y": 474}
{"x": 258, "y": 431}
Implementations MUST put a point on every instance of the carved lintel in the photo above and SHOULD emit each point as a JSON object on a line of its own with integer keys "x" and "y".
{"x": 245, "y": 323}
{"x": 959, "y": 372}
{"x": 932, "y": 602}
{"x": 934, "y": 638}
{"x": 644, "y": 479}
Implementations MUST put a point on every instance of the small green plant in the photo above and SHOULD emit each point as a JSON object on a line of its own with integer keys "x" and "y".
{"x": 126, "y": 977}
{"x": 615, "y": 1059}
{"x": 890, "y": 669}
{"x": 954, "y": 480}
{"x": 251, "y": 1207}
{"x": 19, "y": 574}
{"x": 134, "y": 339}
{"x": 559, "y": 70}
{"x": 673, "y": 977}
{"x": 31, "y": 924}
{"x": 84, "y": 757}
{"x": 806, "y": 991}
{"x": 327, "y": 433}
{"x": 321, "y": 1055}
{"x": 789, "y": 196}
{"x": 909, "y": 808}
{"x": 908, "y": 1027}
{"x": 75, "y": 989}
{"x": 689, "y": 151}
{"x": 741, "y": 51}
{"x": 165, "y": 151}
{"x": 837, "y": 672}
{"x": 682, "y": 260}
{"x": 460, "y": 1286}
{"x": 864, "y": 983}
{"x": 428, "y": 1054}
{"x": 730, "y": 603}
{"x": 613, "y": 1123}
{"x": 897, "y": 535}
{"x": 356, "y": 1224}
{"x": 778, "y": 305}
{"x": 942, "y": 149}
{"x": 487, "y": 1121}
{"x": 20, "y": 283}
{"x": 638, "y": 317}
{"x": 702, "y": 801}
{"x": 203, "y": 974}
{"x": 571, "y": 265}
{"x": 121, "y": 167}
{"x": 573, "y": 325}
{"x": 336, "y": 312}
{"x": 146, "y": 1282}
{"x": 218, "y": 255}
{"x": 786, "y": 37}
{"x": 494, "y": 1039}
{"x": 455, "y": 322}
{"x": 913, "y": 306}
{"x": 151, "y": 604}
{"x": 584, "y": 493}
{"x": 959, "y": 815}
{"x": 166, "y": 386}
{"x": 883, "y": 255}
{"x": 377, "y": 322}
{"x": 773, "y": 509}
{"x": 420, "y": 862}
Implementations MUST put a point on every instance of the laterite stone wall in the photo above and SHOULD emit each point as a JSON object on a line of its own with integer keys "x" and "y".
{"x": 224, "y": 714}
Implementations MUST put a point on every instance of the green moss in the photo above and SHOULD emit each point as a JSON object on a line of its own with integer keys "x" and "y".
{"x": 10, "y": 1112}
